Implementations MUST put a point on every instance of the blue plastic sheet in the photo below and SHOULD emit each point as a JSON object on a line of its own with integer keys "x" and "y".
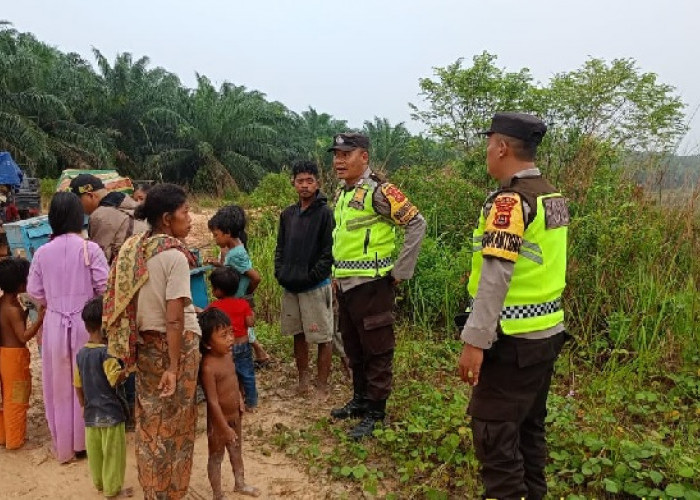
{"x": 10, "y": 172}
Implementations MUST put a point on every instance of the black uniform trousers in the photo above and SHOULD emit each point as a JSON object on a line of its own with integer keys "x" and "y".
{"x": 508, "y": 410}
{"x": 366, "y": 322}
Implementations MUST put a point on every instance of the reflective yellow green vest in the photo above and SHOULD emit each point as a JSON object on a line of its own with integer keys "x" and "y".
{"x": 363, "y": 240}
{"x": 533, "y": 301}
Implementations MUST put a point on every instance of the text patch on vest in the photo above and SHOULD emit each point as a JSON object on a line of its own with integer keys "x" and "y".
{"x": 556, "y": 212}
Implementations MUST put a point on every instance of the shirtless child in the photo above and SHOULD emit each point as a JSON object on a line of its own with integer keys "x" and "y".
{"x": 14, "y": 356}
{"x": 225, "y": 405}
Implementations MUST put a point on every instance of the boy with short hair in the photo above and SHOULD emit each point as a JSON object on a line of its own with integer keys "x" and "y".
{"x": 228, "y": 229}
{"x": 303, "y": 262}
{"x": 224, "y": 283}
{"x": 96, "y": 377}
{"x": 224, "y": 405}
{"x": 15, "y": 376}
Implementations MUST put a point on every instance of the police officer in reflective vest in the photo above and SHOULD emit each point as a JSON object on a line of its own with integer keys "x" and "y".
{"x": 367, "y": 211}
{"x": 515, "y": 328}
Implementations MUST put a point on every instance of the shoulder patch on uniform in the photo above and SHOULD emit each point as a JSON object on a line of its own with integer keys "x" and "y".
{"x": 402, "y": 210}
{"x": 358, "y": 198}
{"x": 556, "y": 212}
{"x": 505, "y": 226}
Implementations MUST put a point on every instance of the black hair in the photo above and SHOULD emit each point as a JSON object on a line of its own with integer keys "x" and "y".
{"x": 13, "y": 274}
{"x": 162, "y": 199}
{"x": 305, "y": 167}
{"x": 92, "y": 314}
{"x": 66, "y": 214}
{"x": 226, "y": 279}
{"x": 522, "y": 150}
{"x": 230, "y": 220}
{"x": 142, "y": 187}
{"x": 209, "y": 321}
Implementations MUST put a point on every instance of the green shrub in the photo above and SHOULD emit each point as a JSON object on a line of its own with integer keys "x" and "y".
{"x": 274, "y": 190}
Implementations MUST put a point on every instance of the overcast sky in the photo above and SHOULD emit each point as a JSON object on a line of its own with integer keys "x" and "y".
{"x": 357, "y": 59}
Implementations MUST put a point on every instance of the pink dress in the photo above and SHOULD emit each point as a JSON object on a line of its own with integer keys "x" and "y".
{"x": 65, "y": 273}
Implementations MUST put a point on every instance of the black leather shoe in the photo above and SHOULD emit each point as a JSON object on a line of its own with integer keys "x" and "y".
{"x": 366, "y": 426}
{"x": 355, "y": 408}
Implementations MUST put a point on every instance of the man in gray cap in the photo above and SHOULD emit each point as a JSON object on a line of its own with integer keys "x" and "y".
{"x": 111, "y": 214}
{"x": 515, "y": 326}
{"x": 367, "y": 211}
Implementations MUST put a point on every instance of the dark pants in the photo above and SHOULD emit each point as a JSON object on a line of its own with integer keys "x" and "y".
{"x": 366, "y": 321}
{"x": 508, "y": 410}
{"x": 245, "y": 369}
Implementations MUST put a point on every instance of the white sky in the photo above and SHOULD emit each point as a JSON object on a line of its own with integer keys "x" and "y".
{"x": 359, "y": 59}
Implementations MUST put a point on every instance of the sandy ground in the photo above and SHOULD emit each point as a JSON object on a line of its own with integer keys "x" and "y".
{"x": 32, "y": 473}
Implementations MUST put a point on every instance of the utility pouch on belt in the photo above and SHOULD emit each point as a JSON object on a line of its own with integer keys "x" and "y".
{"x": 461, "y": 320}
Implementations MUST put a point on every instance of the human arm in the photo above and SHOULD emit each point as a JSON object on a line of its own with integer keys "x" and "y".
{"x": 323, "y": 267}
{"x": 250, "y": 318}
{"x": 279, "y": 248}
{"x": 177, "y": 297}
{"x": 390, "y": 202}
{"x": 501, "y": 244}
{"x": 35, "y": 280}
{"x": 18, "y": 322}
{"x": 214, "y": 412}
{"x": 239, "y": 259}
{"x": 99, "y": 269}
{"x": 114, "y": 371}
{"x": 255, "y": 280}
{"x": 174, "y": 328}
{"x": 78, "y": 384}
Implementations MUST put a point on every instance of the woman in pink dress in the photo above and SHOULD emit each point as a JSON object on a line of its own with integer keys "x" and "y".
{"x": 65, "y": 273}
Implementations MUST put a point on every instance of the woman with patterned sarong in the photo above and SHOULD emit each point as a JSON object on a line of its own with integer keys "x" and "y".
{"x": 152, "y": 326}
{"x": 65, "y": 273}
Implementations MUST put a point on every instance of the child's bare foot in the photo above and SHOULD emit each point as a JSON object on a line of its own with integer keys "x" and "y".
{"x": 125, "y": 493}
{"x": 303, "y": 387}
{"x": 251, "y": 409}
{"x": 322, "y": 392}
{"x": 247, "y": 490}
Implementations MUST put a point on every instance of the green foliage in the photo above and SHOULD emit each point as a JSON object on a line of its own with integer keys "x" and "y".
{"x": 274, "y": 190}
{"x": 611, "y": 102}
{"x": 461, "y": 101}
{"x": 388, "y": 144}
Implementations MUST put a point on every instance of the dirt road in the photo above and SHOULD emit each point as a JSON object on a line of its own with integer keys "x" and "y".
{"x": 32, "y": 473}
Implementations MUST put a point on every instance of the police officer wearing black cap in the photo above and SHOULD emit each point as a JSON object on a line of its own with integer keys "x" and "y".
{"x": 367, "y": 211}
{"x": 515, "y": 326}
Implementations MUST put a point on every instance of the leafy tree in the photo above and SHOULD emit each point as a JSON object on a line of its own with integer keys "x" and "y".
{"x": 461, "y": 101}
{"x": 220, "y": 139}
{"x": 388, "y": 143}
{"x": 612, "y": 103}
{"x": 36, "y": 124}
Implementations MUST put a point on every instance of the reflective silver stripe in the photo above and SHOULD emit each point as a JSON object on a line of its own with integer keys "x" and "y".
{"x": 360, "y": 222}
{"x": 532, "y": 246}
{"x": 529, "y": 255}
{"x": 363, "y": 264}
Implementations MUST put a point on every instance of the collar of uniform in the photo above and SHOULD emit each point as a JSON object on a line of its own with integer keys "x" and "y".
{"x": 528, "y": 172}
{"x": 365, "y": 175}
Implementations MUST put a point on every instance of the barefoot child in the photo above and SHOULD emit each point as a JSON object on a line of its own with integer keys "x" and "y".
{"x": 224, "y": 283}
{"x": 96, "y": 377}
{"x": 224, "y": 404}
{"x": 228, "y": 228}
{"x": 15, "y": 377}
